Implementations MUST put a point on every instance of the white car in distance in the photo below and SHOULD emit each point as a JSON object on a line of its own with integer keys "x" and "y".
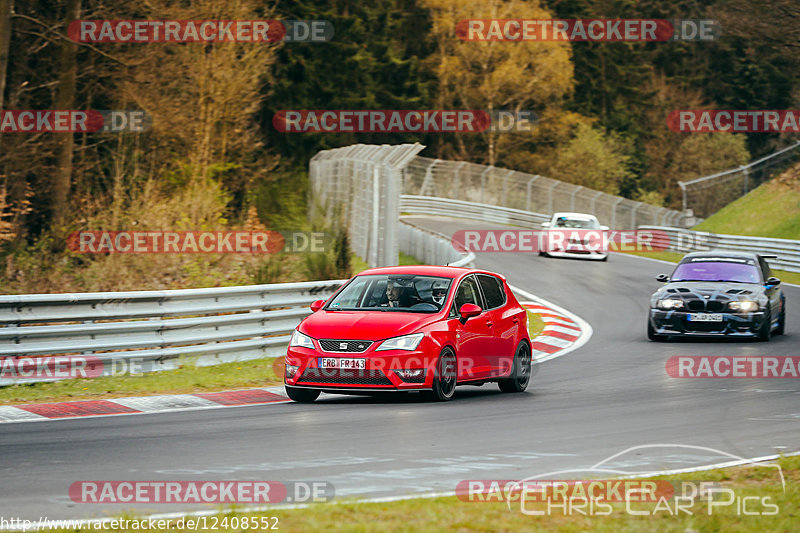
{"x": 582, "y": 244}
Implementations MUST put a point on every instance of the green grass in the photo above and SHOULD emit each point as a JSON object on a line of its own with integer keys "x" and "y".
{"x": 187, "y": 379}
{"x": 771, "y": 210}
{"x": 452, "y": 514}
{"x": 535, "y": 324}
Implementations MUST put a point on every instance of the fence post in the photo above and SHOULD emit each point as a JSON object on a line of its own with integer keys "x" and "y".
{"x": 528, "y": 193}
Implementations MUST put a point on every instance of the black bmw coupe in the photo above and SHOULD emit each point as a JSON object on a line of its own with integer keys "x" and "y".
{"x": 718, "y": 294}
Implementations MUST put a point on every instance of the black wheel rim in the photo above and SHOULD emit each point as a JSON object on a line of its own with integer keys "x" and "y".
{"x": 524, "y": 359}
{"x": 447, "y": 375}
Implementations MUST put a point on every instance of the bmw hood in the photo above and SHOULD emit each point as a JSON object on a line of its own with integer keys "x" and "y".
{"x": 711, "y": 291}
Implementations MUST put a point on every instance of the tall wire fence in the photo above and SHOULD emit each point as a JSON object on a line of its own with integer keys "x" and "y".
{"x": 708, "y": 194}
{"x": 358, "y": 186}
{"x": 482, "y": 184}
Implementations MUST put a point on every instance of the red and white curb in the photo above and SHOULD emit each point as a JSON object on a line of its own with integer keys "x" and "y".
{"x": 563, "y": 331}
{"x": 135, "y": 405}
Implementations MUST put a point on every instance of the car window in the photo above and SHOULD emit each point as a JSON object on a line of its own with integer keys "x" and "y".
{"x": 717, "y": 269}
{"x": 492, "y": 291}
{"x": 468, "y": 293}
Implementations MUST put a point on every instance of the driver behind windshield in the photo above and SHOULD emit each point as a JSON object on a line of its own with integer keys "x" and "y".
{"x": 399, "y": 296}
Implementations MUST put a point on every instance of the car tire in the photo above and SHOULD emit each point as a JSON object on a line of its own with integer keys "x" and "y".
{"x": 302, "y": 395}
{"x": 652, "y": 335}
{"x": 444, "y": 377}
{"x": 765, "y": 331}
{"x": 520, "y": 372}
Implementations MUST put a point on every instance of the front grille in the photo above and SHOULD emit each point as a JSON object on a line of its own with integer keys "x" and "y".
{"x": 344, "y": 376}
{"x": 696, "y": 305}
{"x": 714, "y": 306}
{"x": 344, "y": 346}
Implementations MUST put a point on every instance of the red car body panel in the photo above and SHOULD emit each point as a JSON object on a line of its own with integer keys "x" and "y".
{"x": 484, "y": 345}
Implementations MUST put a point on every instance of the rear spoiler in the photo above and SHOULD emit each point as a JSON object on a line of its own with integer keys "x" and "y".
{"x": 768, "y": 256}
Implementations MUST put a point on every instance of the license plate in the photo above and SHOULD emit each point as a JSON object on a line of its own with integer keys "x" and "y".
{"x": 705, "y": 317}
{"x": 341, "y": 362}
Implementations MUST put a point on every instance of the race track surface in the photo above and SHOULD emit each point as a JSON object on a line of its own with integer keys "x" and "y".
{"x": 609, "y": 395}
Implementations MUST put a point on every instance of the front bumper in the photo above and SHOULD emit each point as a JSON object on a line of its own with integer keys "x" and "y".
{"x": 577, "y": 251}
{"x": 732, "y": 324}
{"x": 379, "y": 374}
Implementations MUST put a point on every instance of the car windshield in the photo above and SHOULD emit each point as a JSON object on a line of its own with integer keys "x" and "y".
{"x": 723, "y": 269}
{"x": 582, "y": 223}
{"x": 393, "y": 292}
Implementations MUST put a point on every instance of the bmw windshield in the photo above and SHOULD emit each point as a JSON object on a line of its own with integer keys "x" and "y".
{"x": 732, "y": 270}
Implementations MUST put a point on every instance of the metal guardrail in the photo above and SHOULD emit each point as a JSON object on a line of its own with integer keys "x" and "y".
{"x": 429, "y": 205}
{"x": 431, "y": 247}
{"x": 157, "y": 328}
{"x": 684, "y": 241}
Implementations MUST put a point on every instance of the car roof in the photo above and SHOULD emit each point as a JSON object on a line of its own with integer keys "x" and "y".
{"x": 574, "y": 215}
{"x": 430, "y": 270}
{"x": 722, "y": 253}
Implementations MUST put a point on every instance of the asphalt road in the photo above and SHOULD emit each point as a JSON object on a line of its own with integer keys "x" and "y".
{"x": 609, "y": 395}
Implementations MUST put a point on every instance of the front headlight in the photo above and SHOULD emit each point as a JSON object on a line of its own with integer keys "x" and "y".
{"x": 406, "y": 342}
{"x": 299, "y": 339}
{"x": 745, "y": 306}
{"x": 670, "y": 303}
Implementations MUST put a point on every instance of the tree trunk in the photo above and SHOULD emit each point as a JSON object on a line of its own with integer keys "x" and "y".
{"x": 6, "y": 8}
{"x": 65, "y": 99}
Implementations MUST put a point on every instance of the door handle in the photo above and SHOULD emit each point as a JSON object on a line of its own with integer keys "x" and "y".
{"x": 516, "y": 320}
{"x": 489, "y": 323}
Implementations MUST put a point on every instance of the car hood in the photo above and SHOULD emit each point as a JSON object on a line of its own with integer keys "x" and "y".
{"x": 712, "y": 289}
{"x": 364, "y": 325}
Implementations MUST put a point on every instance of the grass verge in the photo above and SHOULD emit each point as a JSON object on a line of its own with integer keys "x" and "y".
{"x": 187, "y": 379}
{"x": 761, "y": 485}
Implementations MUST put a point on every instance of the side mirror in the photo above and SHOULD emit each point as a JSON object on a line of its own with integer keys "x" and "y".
{"x": 604, "y": 228}
{"x": 317, "y": 305}
{"x": 773, "y": 281}
{"x": 545, "y": 224}
{"x": 663, "y": 278}
{"x": 469, "y": 311}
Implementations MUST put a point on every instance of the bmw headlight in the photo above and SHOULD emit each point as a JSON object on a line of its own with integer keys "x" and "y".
{"x": 406, "y": 342}
{"x": 745, "y": 306}
{"x": 670, "y": 303}
{"x": 299, "y": 339}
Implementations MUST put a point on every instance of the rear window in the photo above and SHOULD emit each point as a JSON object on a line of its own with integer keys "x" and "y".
{"x": 492, "y": 291}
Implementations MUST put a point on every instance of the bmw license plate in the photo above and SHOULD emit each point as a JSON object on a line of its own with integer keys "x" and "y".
{"x": 341, "y": 362}
{"x": 705, "y": 317}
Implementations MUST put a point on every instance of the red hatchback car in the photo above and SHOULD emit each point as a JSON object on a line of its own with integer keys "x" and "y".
{"x": 412, "y": 328}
